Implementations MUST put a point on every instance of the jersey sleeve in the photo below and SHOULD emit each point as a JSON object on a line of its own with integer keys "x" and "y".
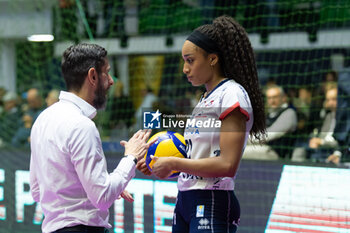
{"x": 235, "y": 98}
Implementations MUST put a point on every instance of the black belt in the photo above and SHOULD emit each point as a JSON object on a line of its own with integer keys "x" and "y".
{"x": 83, "y": 228}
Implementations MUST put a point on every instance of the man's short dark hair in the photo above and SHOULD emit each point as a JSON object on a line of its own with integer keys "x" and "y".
{"x": 77, "y": 60}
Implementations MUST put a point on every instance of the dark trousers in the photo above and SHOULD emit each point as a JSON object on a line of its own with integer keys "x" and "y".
{"x": 82, "y": 229}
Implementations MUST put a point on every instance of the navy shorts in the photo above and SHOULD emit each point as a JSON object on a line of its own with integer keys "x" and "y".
{"x": 205, "y": 211}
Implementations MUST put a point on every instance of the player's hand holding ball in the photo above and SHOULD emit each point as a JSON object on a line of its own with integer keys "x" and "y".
{"x": 168, "y": 145}
{"x": 142, "y": 167}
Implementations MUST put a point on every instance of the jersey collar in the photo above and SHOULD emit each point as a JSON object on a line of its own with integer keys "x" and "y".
{"x": 217, "y": 86}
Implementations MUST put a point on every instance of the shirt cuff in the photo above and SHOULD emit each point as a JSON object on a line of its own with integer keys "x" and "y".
{"x": 126, "y": 167}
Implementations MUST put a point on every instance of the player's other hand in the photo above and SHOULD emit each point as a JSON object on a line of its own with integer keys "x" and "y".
{"x": 142, "y": 167}
{"x": 137, "y": 145}
{"x": 161, "y": 166}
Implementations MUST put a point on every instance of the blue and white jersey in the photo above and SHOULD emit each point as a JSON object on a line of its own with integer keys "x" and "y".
{"x": 204, "y": 142}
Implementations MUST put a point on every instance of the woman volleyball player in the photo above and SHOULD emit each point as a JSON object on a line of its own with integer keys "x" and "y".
{"x": 220, "y": 57}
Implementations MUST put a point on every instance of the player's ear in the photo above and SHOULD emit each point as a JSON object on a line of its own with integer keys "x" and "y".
{"x": 213, "y": 59}
{"x": 92, "y": 76}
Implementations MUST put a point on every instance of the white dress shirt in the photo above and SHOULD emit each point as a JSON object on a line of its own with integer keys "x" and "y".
{"x": 68, "y": 170}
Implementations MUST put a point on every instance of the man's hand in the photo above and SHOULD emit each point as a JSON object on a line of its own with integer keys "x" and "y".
{"x": 137, "y": 145}
{"x": 127, "y": 196}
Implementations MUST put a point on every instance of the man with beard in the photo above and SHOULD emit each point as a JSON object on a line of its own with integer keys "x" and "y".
{"x": 68, "y": 172}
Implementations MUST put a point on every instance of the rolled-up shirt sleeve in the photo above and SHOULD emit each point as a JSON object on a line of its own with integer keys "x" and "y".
{"x": 90, "y": 164}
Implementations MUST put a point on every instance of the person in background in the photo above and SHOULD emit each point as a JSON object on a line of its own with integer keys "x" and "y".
{"x": 34, "y": 104}
{"x": 341, "y": 153}
{"x": 52, "y": 97}
{"x": 21, "y": 138}
{"x": 302, "y": 104}
{"x": 10, "y": 120}
{"x": 281, "y": 122}
{"x": 330, "y": 79}
{"x": 323, "y": 143}
{"x": 31, "y": 110}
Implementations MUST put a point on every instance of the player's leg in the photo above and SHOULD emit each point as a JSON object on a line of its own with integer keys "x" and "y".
{"x": 217, "y": 211}
{"x": 180, "y": 225}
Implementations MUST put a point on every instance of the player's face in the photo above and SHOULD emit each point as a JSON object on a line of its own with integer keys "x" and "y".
{"x": 196, "y": 65}
{"x": 104, "y": 82}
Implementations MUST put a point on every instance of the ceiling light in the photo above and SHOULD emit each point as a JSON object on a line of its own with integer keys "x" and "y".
{"x": 40, "y": 38}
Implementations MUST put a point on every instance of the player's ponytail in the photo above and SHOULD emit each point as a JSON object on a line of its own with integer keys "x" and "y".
{"x": 238, "y": 63}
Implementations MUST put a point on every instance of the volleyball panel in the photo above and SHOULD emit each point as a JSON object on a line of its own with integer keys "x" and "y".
{"x": 168, "y": 144}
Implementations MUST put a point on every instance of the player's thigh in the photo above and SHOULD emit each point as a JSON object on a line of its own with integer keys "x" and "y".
{"x": 219, "y": 213}
{"x": 179, "y": 224}
{"x": 212, "y": 225}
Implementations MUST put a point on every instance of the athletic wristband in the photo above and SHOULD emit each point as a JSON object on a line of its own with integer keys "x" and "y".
{"x": 133, "y": 158}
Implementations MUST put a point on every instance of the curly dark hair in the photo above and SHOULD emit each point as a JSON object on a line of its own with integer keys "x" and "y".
{"x": 237, "y": 62}
{"x": 77, "y": 60}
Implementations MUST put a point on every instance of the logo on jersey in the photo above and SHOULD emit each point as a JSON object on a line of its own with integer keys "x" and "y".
{"x": 200, "y": 211}
{"x": 203, "y": 224}
{"x": 151, "y": 120}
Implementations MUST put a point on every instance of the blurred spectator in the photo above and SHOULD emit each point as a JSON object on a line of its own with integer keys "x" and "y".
{"x": 31, "y": 110}
{"x": 281, "y": 122}
{"x": 34, "y": 103}
{"x": 322, "y": 142}
{"x": 271, "y": 82}
{"x": 302, "y": 103}
{"x": 10, "y": 120}
{"x": 329, "y": 80}
{"x": 52, "y": 97}
{"x": 341, "y": 154}
{"x": 21, "y": 139}
{"x": 147, "y": 104}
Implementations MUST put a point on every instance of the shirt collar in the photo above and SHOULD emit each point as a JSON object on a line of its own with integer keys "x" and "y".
{"x": 86, "y": 108}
